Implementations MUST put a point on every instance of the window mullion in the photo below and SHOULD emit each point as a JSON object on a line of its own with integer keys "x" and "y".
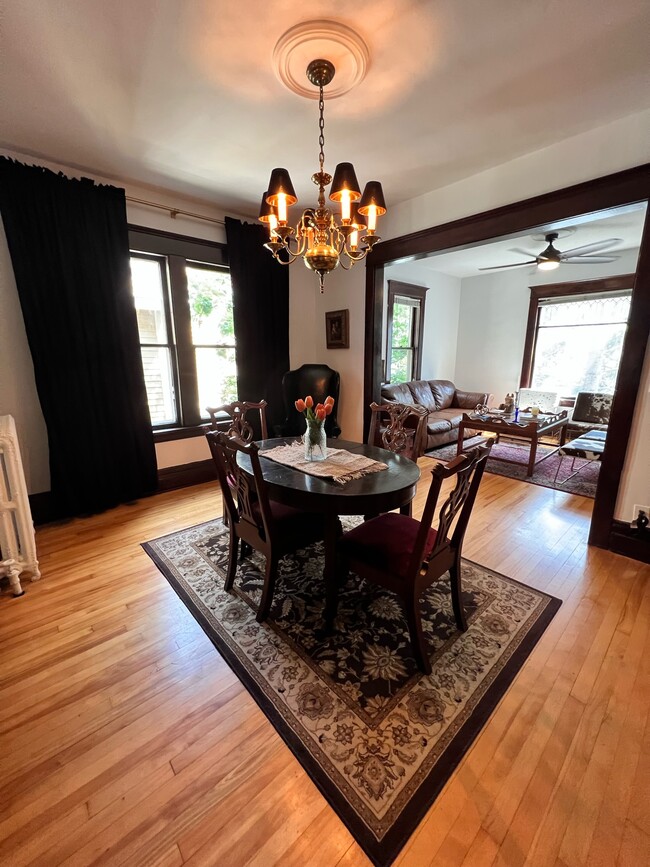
{"x": 186, "y": 357}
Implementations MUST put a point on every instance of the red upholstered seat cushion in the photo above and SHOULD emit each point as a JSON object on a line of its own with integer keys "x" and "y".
{"x": 290, "y": 522}
{"x": 386, "y": 542}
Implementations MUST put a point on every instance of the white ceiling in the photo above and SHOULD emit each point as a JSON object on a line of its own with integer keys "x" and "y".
{"x": 182, "y": 96}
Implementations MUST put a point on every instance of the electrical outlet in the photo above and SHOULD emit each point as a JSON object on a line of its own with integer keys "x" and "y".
{"x": 638, "y": 509}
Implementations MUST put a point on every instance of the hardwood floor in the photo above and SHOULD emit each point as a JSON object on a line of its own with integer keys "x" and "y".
{"x": 125, "y": 738}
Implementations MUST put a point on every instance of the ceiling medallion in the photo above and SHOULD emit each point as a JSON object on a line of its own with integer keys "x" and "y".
{"x": 321, "y": 38}
{"x": 321, "y": 238}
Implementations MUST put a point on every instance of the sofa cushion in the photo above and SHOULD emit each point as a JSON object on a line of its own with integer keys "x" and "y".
{"x": 421, "y": 391}
{"x": 471, "y": 399}
{"x": 453, "y": 415}
{"x": 443, "y": 392}
{"x": 437, "y": 425}
{"x": 399, "y": 392}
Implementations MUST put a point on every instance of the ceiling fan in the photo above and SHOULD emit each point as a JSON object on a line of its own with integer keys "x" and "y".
{"x": 551, "y": 257}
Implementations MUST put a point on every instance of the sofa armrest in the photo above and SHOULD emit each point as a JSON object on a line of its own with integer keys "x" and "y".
{"x": 471, "y": 399}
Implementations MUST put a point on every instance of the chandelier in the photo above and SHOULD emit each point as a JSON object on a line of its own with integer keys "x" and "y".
{"x": 320, "y": 237}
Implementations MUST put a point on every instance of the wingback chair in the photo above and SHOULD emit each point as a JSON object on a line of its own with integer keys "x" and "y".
{"x": 407, "y": 556}
{"x": 318, "y": 380}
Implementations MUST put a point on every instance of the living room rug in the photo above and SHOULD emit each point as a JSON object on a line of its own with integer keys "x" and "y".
{"x": 544, "y": 474}
{"x": 376, "y": 736}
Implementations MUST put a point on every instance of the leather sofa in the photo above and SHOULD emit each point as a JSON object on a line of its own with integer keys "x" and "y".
{"x": 445, "y": 405}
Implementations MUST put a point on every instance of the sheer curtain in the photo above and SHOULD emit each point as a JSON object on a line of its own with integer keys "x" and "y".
{"x": 260, "y": 289}
{"x": 70, "y": 253}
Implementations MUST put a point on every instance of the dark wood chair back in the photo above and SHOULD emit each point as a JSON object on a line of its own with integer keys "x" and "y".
{"x": 317, "y": 380}
{"x": 237, "y": 423}
{"x": 455, "y": 511}
{"x": 253, "y": 520}
{"x": 398, "y": 427}
{"x": 407, "y": 556}
{"x": 245, "y": 500}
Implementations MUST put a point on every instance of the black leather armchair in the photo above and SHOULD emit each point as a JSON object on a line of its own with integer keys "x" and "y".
{"x": 318, "y": 380}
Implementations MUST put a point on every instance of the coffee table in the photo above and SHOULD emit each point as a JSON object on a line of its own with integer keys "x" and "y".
{"x": 526, "y": 428}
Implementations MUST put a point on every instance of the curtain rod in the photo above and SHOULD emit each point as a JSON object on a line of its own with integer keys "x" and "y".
{"x": 174, "y": 212}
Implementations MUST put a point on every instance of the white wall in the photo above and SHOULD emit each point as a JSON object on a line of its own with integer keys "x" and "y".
{"x": 18, "y": 395}
{"x": 307, "y": 335}
{"x": 441, "y": 311}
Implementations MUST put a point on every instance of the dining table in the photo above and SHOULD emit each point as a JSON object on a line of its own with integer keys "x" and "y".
{"x": 372, "y": 494}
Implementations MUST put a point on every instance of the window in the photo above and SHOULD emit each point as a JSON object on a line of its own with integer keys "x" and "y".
{"x": 405, "y": 327}
{"x": 578, "y": 341}
{"x": 183, "y": 299}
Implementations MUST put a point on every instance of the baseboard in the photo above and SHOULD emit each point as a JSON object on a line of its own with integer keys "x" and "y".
{"x": 184, "y": 475}
{"x": 626, "y": 540}
{"x": 169, "y": 479}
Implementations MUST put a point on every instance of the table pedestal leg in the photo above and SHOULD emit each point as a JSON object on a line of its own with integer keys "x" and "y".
{"x": 533, "y": 455}
{"x": 331, "y": 572}
{"x": 461, "y": 431}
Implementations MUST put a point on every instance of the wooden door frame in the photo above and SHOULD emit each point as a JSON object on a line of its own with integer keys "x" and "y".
{"x": 602, "y": 194}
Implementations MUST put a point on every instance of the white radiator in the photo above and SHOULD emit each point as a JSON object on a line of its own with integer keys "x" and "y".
{"x": 17, "y": 543}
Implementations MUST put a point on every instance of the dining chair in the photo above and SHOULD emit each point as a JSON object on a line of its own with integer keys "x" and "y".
{"x": 254, "y": 519}
{"x": 398, "y": 427}
{"x": 231, "y": 418}
{"x": 406, "y": 556}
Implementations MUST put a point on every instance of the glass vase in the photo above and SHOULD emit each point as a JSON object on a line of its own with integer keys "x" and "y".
{"x": 315, "y": 441}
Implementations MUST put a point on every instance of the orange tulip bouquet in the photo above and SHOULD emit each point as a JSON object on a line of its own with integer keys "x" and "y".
{"x": 314, "y": 438}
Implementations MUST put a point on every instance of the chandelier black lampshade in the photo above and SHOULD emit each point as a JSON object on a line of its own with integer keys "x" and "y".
{"x": 280, "y": 184}
{"x": 357, "y": 219}
{"x": 267, "y": 212}
{"x": 345, "y": 180}
{"x": 373, "y": 196}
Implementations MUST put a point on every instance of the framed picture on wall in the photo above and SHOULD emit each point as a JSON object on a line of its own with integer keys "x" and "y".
{"x": 337, "y": 329}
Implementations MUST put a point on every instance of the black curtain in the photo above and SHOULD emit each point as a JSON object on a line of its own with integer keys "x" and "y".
{"x": 260, "y": 289}
{"x": 69, "y": 247}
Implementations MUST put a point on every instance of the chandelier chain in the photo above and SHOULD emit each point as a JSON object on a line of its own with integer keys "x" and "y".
{"x": 321, "y": 127}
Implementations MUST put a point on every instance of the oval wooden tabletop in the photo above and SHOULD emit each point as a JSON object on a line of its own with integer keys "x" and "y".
{"x": 377, "y": 492}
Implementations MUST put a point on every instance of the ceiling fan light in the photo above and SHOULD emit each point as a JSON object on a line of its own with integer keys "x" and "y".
{"x": 548, "y": 265}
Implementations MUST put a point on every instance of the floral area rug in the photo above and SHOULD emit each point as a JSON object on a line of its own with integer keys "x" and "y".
{"x": 584, "y": 483}
{"x": 377, "y": 737}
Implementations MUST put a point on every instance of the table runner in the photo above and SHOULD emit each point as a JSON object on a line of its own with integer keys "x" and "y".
{"x": 340, "y": 465}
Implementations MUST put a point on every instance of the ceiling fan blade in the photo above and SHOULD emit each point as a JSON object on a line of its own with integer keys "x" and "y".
{"x": 589, "y": 260}
{"x": 591, "y": 248}
{"x": 516, "y": 265}
{"x": 522, "y": 252}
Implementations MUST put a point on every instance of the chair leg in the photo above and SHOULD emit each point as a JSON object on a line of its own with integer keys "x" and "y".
{"x": 456, "y": 596}
{"x": 414, "y": 620}
{"x": 269, "y": 586}
{"x": 233, "y": 547}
